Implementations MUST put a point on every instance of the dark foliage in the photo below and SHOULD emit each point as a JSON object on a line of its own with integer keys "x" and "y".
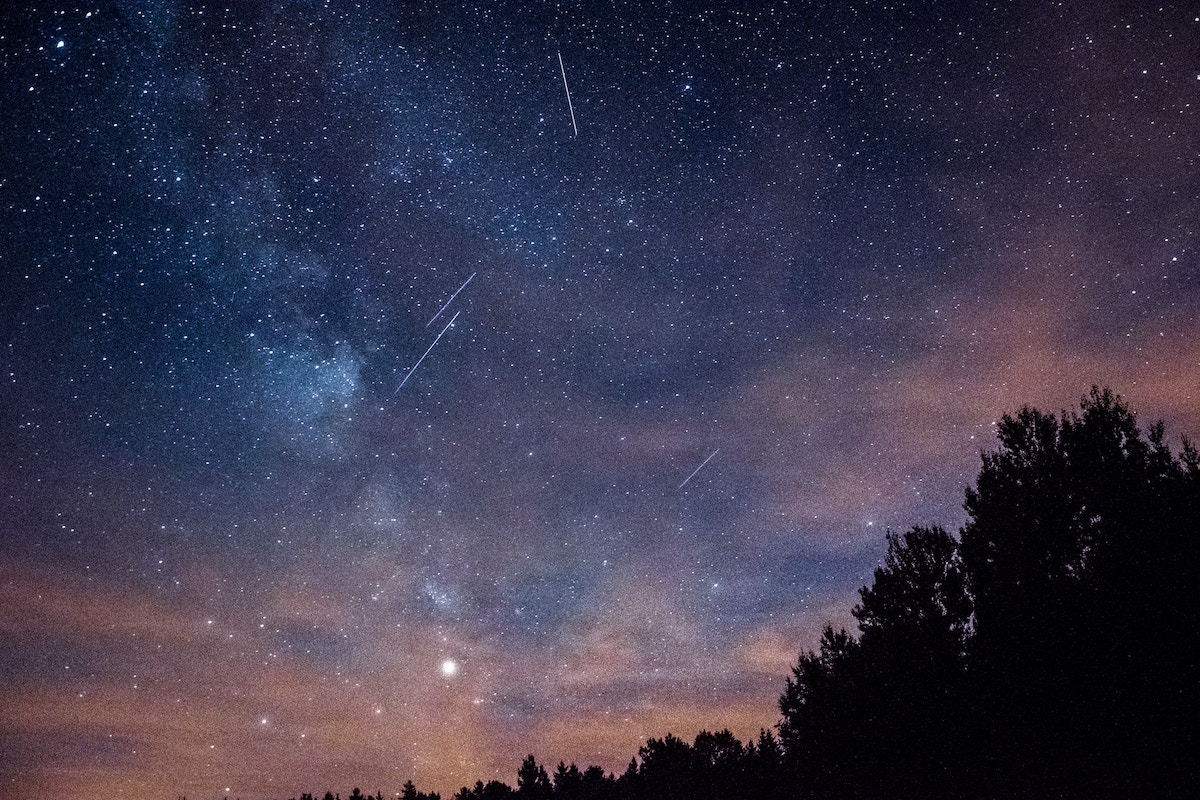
{"x": 1047, "y": 651}
{"x": 714, "y": 766}
{"x": 1081, "y": 552}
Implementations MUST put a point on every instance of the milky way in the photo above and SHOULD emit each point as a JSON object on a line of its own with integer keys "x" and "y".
{"x": 261, "y": 536}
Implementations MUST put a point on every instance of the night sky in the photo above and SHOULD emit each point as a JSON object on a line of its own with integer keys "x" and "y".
{"x": 362, "y": 422}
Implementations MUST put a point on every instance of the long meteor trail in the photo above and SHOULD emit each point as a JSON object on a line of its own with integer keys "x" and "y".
{"x": 448, "y": 302}
{"x": 697, "y": 469}
{"x": 570, "y": 107}
{"x": 422, "y": 358}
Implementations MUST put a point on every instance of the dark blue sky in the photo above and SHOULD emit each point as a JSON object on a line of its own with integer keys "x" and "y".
{"x": 826, "y": 244}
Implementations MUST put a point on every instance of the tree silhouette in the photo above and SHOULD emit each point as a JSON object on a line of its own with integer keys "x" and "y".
{"x": 568, "y": 782}
{"x": 596, "y": 785}
{"x": 1049, "y": 654}
{"x": 915, "y": 621}
{"x": 492, "y": 790}
{"x": 1080, "y": 542}
{"x": 763, "y": 774}
{"x": 532, "y": 781}
{"x": 718, "y": 765}
{"x": 821, "y": 724}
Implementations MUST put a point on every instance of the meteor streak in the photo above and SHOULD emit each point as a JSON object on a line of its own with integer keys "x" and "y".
{"x": 448, "y": 302}
{"x": 697, "y": 469}
{"x": 422, "y": 358}
{"x": 570, "y": 107}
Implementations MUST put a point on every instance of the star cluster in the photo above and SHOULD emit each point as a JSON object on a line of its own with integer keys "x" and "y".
{"x": 363, "y": 421}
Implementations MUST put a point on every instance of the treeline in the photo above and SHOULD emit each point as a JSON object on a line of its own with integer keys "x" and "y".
{"x": 714, "y": 766}
{"x": 1046, "y": 650}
